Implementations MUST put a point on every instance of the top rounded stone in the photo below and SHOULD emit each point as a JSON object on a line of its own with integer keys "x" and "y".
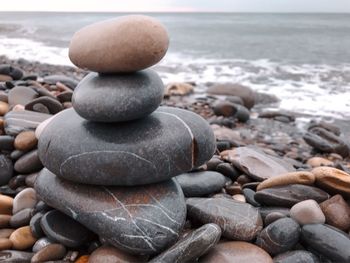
{"x": 122, "y": 45}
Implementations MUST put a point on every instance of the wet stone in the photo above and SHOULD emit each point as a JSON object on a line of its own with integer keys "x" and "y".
{"x": 290, "y": 195}
{"x": 279, "y": 236}
{"x": 172, "y": 140}
{"x": 139, "y": 220}
{"x": 110, "y": 98}
{"x": 63, "y": 229}
{"x": 237, "y": 220}
{"x": 198, "y": 184}
{"x": 327, "y": 241}
{"x": 192, "y": 246}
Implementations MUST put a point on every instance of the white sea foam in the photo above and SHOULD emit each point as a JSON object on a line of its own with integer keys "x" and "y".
{"x": 316, "y": 89}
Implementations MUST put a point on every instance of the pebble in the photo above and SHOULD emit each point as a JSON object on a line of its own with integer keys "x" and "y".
{"x": 227, "y": 170}
{"x": 17, "y": 181}
{"x": 18, "y": 121}
{"x": 25, "y": 141}
{"x": 230, "y": 89}
{"x": 183, "y": 135}
{"x": 116, "y": 215}
{"x": 35, "y": 226}
{"x": 327, "y": 241}
{"x": 21, "y": 95}
{"x": 22, "y": 238}
{"x": 21, "y": 218}
{"x": 192, "y": 246}
{"x": 28, "y": 163}
{"x": 4, "y": 108}
{"x": 6, "y": 170}
{"x": 67, "y": 81}
{"x": 319, "y": 161}
{"x": 4, "y": 221}
{"x": 279, "y": 236}
{"x": 256, "y": 164}
{"x": 307, "y": 212}
{"x": 9, "y": 70}
{"x": 50, "y": 252}
{"x": 14, "y": 256}
{"x": 6, "y": 232}
{"x": 5, "y": 244}
{"x": 125, "y": 44}
{"x": 249, "y": 196}
{"x": 239, "y": 198}
{"x": 41, "y": 243}
{"x": 237, "y": 220}
{"x": 63, "y": 229}
{"x": 109, "y": 254}
{"x": 199, "y": 184}
{"x": 236, "y": 251}
{"x": 337, "y": 212}
{"x": 25, "y": 199}
{"x": 52, "y": 105}
{"x": 178, "y": 89}
{"x": 302, "y": 177}
{"x": 296, "y": 256}
{"x": 6, "y": 204}
{"x": 110, "y": 98}
{"x": 289, "y": 195}
{"x": 332, "y": 180}
{"x": 6, "y": 143}
{"x": 272, "y": 217}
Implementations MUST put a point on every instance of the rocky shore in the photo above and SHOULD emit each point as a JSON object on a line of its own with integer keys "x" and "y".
{"x": 272, "y": 191}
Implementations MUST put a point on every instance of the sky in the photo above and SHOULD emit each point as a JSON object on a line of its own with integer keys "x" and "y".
{"x": 328, "y": 6}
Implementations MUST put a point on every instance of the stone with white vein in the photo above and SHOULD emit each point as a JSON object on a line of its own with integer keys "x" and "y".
{"x": 140, "y": 220}
{"x": 164, "y": 144}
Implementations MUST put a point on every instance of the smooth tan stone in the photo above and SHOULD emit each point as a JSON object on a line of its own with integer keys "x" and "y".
{"x": 4, "y": 220}
{"x": 4, "y": 108}
{"x": 6, "y": 232}
{"x": 303, "y": 177}
{"x": 337, "y": 212}
{"x": 236, "y": 252}
{"x": 5, "y": 244}
{"x": 6, "y": 204}
{"x": 319, "y": 161}
{"x": 125, "y": 44}
{"x": 25, "y": 141}
{"x": 22, "y": 238}
{"x": 332, "y": 180}
{"x": 25, "y": 199}
{"x": 109, "y": 254}
{"x": 307, "y": 212}
{"x": 50, "y": 252}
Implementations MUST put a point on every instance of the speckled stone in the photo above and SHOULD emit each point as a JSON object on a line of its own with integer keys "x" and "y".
{"x": 289, "y": 195}
{"x": 296, "y": 256}
{"x": 138, "y": 220}
{"x": 192, "y": 246}
{"x": 236, "y": 251}
{"x": 237, "y": 220}
{"x": 125, "y": 44}
{"x": 201, "y": 183}
{"x": 116, "y": 98}
{"x": 172, "y": 140}
{"x": 280, "y": 236}
{"x": 327, "y": 241}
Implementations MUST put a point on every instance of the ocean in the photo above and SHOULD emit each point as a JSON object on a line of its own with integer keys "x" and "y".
{"x": 304, "y": 59}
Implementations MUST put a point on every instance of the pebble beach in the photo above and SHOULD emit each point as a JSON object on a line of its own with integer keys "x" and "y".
{"x": 106, "y": 162}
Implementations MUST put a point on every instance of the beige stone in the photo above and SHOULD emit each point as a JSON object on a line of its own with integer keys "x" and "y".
{"x": 25, "y": 141}
{"x": 319, "y": 161}
{"x": 177, "y": 88}
{"x": 301, "y": 177}
{"x": 22, "y": 238}
{"x": 125, "y": 44}
{"x": 307, "y": 212}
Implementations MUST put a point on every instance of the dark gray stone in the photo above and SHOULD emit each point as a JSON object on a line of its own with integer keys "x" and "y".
{"x": 17, "y": 121}
{"x": 35, "y": 226}
{"x": 138, "y": 220}
{"x": 327, "y": 241}
{"x": 21, "y": 95}
{"x": 237, "y": 220}
{"x": 115, "y": 98}
{"x": 6, "y": 169}
{"x": 6, "y": 143}
{"x": 28, "y": 163}
{"x": 296, "y": 256}
{"x": 192, "y": 246}
{"x": 63, "y": 229}
{"x": 249, "y": 196}
{"x": 21, "y": 218}
{"x": 280, "y": 236}
{"x": 69, "y": 82}
{"x": 15, "y": 256}
{"x": 162, "y": 145}
{"x": 53, "y": 105}
{"x": 202, "y": 183}
{"x": 13, "y": 72}
{"x": 289, "y": 195}
{"x": 264, "y": 211}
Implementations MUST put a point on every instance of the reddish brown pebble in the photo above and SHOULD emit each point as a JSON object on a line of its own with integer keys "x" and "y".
{"x": 337, "y": 212}
{"x": 5, "y": 244}
{"x": 83, "y": 259}
{"x": 4, "y": 108}
{"x": 6, "y": 204}
{"x": 4, "y": 221}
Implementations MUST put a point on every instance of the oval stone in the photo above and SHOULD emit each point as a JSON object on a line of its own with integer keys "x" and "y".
{"x": 155, "y": 148}
{"x": 125, "y": 44}
{"x": 138, "y": 220}
{"x": 6, "y": 169}
{"x": 300, "y": 256}
{"x": 115, "y": 98}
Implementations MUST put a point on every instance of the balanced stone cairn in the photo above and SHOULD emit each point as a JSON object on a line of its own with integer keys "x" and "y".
{"x": 109, "y": 162}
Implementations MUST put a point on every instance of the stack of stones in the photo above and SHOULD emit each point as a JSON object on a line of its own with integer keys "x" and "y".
{"x": 110, "y": 160}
